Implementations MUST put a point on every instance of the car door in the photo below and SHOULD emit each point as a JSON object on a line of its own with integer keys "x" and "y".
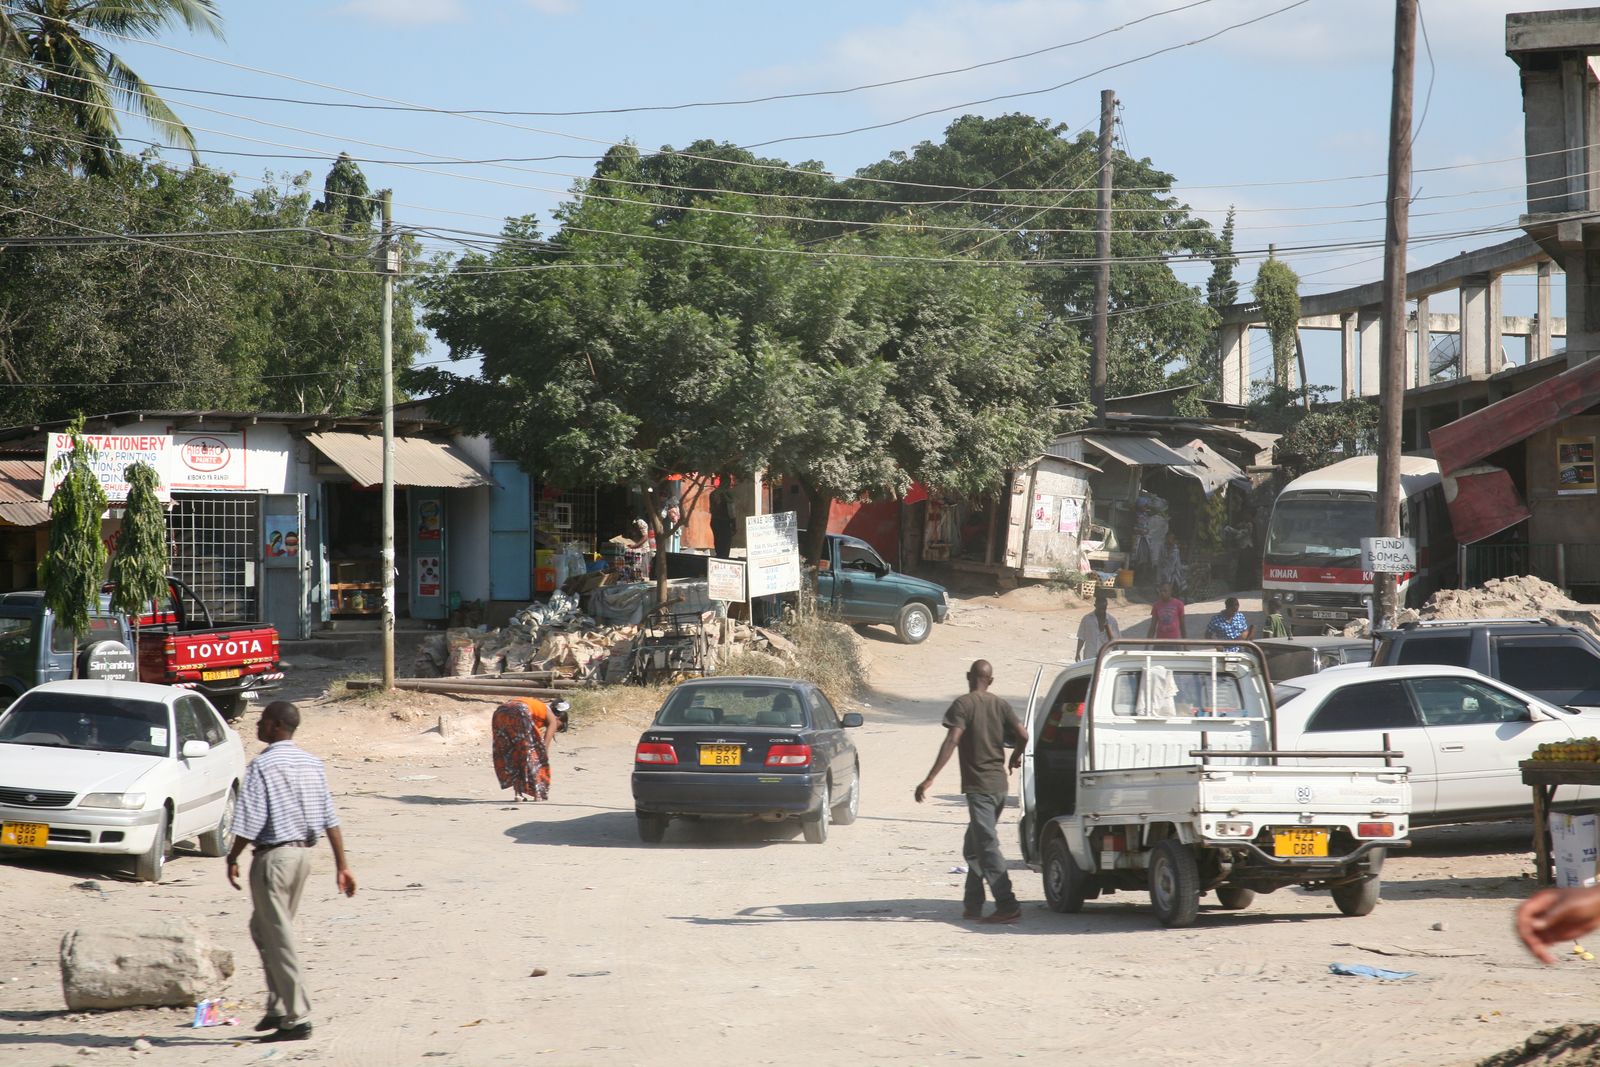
{"x": 1030, "y": 727}
{"x": 1356, "y": 717}
{"x": 830, "y": 737}
{"x": 866, "y": 585}
{"x": 1479, "y": 734}
{"x": 199, "y": 796}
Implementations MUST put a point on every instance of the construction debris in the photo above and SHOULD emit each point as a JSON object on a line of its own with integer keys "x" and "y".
{"x": 1521, "y": 597}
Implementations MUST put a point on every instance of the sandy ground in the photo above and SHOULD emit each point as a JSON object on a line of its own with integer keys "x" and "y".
{"x": 741, "y": 943}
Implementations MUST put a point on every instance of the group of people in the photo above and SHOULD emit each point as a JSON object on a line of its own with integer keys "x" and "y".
{"x": 1167, "y": 623}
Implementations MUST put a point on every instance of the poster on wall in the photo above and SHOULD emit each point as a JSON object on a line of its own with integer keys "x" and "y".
{"x": 1044, "y": 511}
{"x": 110, "y": 455}
{"x": 1575, "y": 470}
{"x": 1071, "y": 515}
{"x": 208, "y": 461}
{"x": 429, "y": 576}
{"x": 725, "y": 579}
{"x": 430, "y": 520}
{"x": 280, "y": 537}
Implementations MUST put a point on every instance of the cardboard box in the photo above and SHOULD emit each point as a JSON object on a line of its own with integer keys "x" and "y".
{"x": 1575, "y": 848}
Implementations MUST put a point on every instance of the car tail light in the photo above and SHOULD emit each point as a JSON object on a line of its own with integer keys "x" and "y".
{"x": 1375, "y": 829}
{"x": 788, "y": 755}
{"x": 654, "y": 752}
{"x": 170, "y": 647}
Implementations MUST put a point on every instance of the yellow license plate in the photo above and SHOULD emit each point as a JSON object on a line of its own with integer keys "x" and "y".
{"x": 719, "y": 755}
{"x": 219, "y": 676}
{"x": 1300, "y": 843}
{"x": 24, "y": 834}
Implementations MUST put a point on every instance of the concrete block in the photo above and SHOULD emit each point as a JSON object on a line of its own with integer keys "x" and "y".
{"x": 171, "y": 963}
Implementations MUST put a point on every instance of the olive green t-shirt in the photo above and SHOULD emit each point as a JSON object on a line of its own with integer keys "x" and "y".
{"x": 982, "y": 748}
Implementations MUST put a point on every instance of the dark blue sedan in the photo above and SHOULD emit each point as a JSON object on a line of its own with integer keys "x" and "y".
{"x": 773, "y": 748}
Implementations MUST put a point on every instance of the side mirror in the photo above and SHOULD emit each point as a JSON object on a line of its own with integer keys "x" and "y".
{"x": 196, "y": 749}
{"x": 852, "y": 719}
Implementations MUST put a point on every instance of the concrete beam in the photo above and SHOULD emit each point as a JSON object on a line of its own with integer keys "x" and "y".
{"x": 1418, "y": 337}
{"x": 1235, "y": 364}
{"x": 1369, "y": 321}
{"x": 1475, "y": 325}
{"x": 1539, "y": 340}
{"x": 1347, "y": 356}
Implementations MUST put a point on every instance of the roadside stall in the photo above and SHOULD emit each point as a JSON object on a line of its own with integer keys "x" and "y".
{"x": 1545, "y": 776}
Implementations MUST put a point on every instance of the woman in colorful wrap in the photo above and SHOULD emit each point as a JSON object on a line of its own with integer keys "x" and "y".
{"x": 523, "y": 728}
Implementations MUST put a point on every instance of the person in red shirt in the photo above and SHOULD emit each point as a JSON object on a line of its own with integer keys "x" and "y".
{"x": 1166, "y": 614}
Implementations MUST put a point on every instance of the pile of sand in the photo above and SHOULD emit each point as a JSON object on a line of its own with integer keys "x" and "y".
{"x": 1522, "y": 597}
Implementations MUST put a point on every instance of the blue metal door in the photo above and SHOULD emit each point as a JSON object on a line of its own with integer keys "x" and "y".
{"x": 510, "y": 534}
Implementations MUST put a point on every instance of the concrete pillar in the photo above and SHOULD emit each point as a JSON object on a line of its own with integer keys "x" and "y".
{"x": 1347, "y": 355}
{"x": 1417, "y": 346}
{"x": 1368, "y": 324}
{"x": 1539, "y": 341}
{"x": 1420, "y": 427}
{"x": 1235, "y": 342}
{"x": 1583, "y": 274}
{"x": 1475, "y": 325}
{"x": 1494, "y": 332}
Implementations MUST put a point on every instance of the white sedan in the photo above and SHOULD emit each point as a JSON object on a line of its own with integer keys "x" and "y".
{"x": 122, "y": 768}
{"x": 1462, "y": 733}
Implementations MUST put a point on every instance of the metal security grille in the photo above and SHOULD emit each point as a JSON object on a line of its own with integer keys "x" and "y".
{"x": 213, "y": 537}
{"x": 569, "y": 516}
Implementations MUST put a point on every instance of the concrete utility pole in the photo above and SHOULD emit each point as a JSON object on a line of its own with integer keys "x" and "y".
{"x": 389, "y": 267}
{"x": 1392, "y": 374}
{"x": 1102, "y": 255}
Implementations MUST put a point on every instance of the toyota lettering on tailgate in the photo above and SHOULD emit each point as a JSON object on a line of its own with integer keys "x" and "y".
{"x": 207, "y": 650}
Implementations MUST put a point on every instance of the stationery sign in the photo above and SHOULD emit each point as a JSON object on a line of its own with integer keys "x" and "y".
{"x": 110, "y": 456}
{"x": 725, "y": 579}
{"x": 774, "y": 552}
{"x": 1389, "y": 555}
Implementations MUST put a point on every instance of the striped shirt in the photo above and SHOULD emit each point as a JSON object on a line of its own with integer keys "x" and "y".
{"x": 285, "y": 798}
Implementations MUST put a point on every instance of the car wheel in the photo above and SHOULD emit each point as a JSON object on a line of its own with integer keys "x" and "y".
{"x": 148, "y": 867}
{"x": 232, "y": 708}
{"x": 815, "y": 825}
{"x": 1174, "y": 883}
{"x": 1065, "y": 885}
{"x": 216, "y": 842}
{"x": 850, "y": 807}
{"x": 914, "y": 623}
{"x": 652, "y": 827}
{"x": 1235, "y": 899}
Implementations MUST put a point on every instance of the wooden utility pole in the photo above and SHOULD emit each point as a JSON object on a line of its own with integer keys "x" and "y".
{"x": 1392, "y": 373}
{"x": 390, "y": 265}
{"x": 1102, "y": 255}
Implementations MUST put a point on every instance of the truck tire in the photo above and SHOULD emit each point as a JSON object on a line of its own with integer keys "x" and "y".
{"x": 231, "y": 707}
{"x": 1359, "y": 898}
{"x": 1174, "y": 883}
{"x": 148, "y": 867}
{"x": 1065, "y": 883}
{"x": 914, "y": 623}
{"x": 1232, "y": 898}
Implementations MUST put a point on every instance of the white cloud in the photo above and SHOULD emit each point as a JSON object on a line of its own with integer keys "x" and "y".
{"x": 404, "y": 12}
{"x": 553, "y": 7}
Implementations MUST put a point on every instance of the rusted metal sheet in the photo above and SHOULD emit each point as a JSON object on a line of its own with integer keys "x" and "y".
{"x": 417, "y": 461}
{"x": 1485, "y": 432}
{"x": 1482, "y": 501}
{"x": 21, "y": 487}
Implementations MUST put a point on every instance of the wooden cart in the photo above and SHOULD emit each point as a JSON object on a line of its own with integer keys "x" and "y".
{"x": 1545, "y": 776}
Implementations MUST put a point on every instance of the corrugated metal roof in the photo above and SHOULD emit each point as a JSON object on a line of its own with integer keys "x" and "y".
{"x": 1210, "y": 468}
{"x": 21, "y": 486}
{"x": 417, "y": 461}
{"x": 1138, "y": 451}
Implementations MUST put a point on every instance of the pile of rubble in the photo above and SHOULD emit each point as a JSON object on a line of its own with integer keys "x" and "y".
{"x": 1522, "y": 597}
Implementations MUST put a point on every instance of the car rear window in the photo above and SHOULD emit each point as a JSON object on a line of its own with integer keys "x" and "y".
{"x": 1372, "y": 706}
{"x": 734, "y": 705}
{"x": 1178, "y": 694}
{"x": 1558, "y": 671}
{"x": 1454, "y": 650}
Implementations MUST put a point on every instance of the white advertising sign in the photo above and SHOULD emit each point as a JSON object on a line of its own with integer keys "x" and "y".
{"x": 774, "y": 552}
{"x": 725, "y": 579}
{"x": 208, "y": 461}
{"x": 111, "y": 454}
{"x": 1389, "y": 555}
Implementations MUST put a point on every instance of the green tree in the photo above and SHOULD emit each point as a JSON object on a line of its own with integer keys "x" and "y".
{"x": 345, "y": 194}
{"x": 1314, "y": 432}
{"x": 75, "y": 566}
{"x": 139, "y": 564}
{"x": 52, "y": 48}
{"x": 1222, "y": 292}
{"x": 1277, "y": 290}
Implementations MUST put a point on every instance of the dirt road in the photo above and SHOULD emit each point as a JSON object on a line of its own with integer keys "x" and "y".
{"x": 737, "y": 943}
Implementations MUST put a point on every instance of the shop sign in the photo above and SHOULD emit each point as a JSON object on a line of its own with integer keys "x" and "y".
{"x": 208, "y": 460}
{"x": 773, "y": 548}
{"x": 110, "y": 456}
{"x": 725, "y": 579}
{"x": 1575, "y": 467}
{"x": 1389, "y": 555}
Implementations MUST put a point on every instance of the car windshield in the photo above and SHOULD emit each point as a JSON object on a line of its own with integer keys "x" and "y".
{"x": 1318, "y": 530}
{"x": 95, "y": 723}
{"x": 733, "y": 705}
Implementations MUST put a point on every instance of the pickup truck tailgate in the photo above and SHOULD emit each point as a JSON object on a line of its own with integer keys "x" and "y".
{"x": 1190, "y": 789}
{"x": 220, "y": 650}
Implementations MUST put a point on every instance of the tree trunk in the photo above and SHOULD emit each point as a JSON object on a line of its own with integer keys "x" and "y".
{"x": 658, "y": 528}
{"x": 821, "y": 502}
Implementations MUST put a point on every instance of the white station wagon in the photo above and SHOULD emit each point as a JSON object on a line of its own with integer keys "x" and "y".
{"x": 120, "y": 768}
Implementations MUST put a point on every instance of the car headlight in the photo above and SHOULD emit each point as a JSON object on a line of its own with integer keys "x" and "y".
{"x": 124, "y": 801}
{"x": 1286, "y": 597}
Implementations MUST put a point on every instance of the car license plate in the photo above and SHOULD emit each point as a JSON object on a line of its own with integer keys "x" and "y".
{"x": 25, "y": 834}
{"x": 219, "y": 676}
{"x": 1300, "y": 843}
{"x": 719, "y": 755}
{"x": 1328, "y": 614}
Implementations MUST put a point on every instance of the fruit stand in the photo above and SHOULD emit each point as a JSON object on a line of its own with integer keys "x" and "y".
{"x": 1554, "y": 765}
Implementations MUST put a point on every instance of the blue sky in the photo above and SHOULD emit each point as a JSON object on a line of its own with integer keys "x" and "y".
{"x": 1297, "y": 98}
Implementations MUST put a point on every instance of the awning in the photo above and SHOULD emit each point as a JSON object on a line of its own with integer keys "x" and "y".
{"x": 21, "y": 487}
{"x": 417, "y": 461}
{"x": 1211, "y": 469}
{"x": 1138, "y": 451}
{"x": 1517, "y": 417}
{"x": 1482, "y": 501}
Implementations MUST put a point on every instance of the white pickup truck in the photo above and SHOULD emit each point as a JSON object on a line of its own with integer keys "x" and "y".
{"x": 1156, "y": 767}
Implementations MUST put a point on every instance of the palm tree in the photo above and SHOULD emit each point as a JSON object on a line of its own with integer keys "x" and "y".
{"x": 46, "y": 47}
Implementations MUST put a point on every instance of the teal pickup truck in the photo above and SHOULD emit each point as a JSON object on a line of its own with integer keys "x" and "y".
{"x": 856, "y": 586}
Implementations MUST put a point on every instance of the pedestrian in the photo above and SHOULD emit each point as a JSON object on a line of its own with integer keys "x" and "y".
{"x": 724, "y": 516}
{"x": 1273, "y": 624}
{"x": 1169, "y": 566}
{"x": 1229, "y": 624}
{"x": 1551, "y": 916}
{"x": 521, "y": 731}
{"x": 282, "y": 809}
{"x": 1095, "y": 630}
{"x": 978, "y": 725}
{"x": 1166, "y": 615}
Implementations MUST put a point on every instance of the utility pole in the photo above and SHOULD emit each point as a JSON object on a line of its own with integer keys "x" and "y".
{"x": 1102, "y": 255}
{"x": 1392, "y": 374}
{"x": 390, "y": 265}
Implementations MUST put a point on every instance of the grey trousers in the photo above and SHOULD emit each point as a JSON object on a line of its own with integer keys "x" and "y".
{"x": 277, "y": 879}
{"x": 982, "y": 852}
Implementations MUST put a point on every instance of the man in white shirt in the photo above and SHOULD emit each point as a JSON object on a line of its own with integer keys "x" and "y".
{"x": 1095, "y": 630}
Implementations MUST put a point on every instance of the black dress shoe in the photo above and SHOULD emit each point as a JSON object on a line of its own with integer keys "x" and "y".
{"x": 268, "y": 1022}
{"x": 288, "y": 1033}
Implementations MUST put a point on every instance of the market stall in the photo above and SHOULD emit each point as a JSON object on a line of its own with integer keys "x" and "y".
{"x": 1546, "y": 776}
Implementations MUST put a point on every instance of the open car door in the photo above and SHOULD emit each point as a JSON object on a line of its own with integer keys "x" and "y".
{"x": 1025, "y": 827}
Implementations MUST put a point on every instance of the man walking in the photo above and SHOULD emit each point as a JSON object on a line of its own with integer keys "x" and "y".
{"x": 979, "y": 724}
{"x": 285, "y": 804}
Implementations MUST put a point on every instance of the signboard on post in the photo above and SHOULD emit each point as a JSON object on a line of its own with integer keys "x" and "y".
{"x": 1389, "y": 555}
{"x": 774, "y": 552}
{"x": 110, "y": 456}
{"x": 725, "y": 579}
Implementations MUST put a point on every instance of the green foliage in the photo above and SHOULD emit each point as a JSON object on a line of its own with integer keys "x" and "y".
{"x": 1277, "y": 290}
{"x": 345, "y": 194}
{"x": 1213, "y": 517}
{"x": 139, "y": 565}
{"x": 1314, "y": 438}
{"x": 75, "y": 567}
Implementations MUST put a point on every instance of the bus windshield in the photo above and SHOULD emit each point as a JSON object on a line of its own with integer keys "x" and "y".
{"x": 1319, "y": 530}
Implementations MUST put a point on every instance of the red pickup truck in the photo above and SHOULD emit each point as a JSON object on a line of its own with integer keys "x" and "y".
{"x": 229, "y": 664}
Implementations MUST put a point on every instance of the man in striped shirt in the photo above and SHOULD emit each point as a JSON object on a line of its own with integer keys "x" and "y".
{"x": 284, "y": 806}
